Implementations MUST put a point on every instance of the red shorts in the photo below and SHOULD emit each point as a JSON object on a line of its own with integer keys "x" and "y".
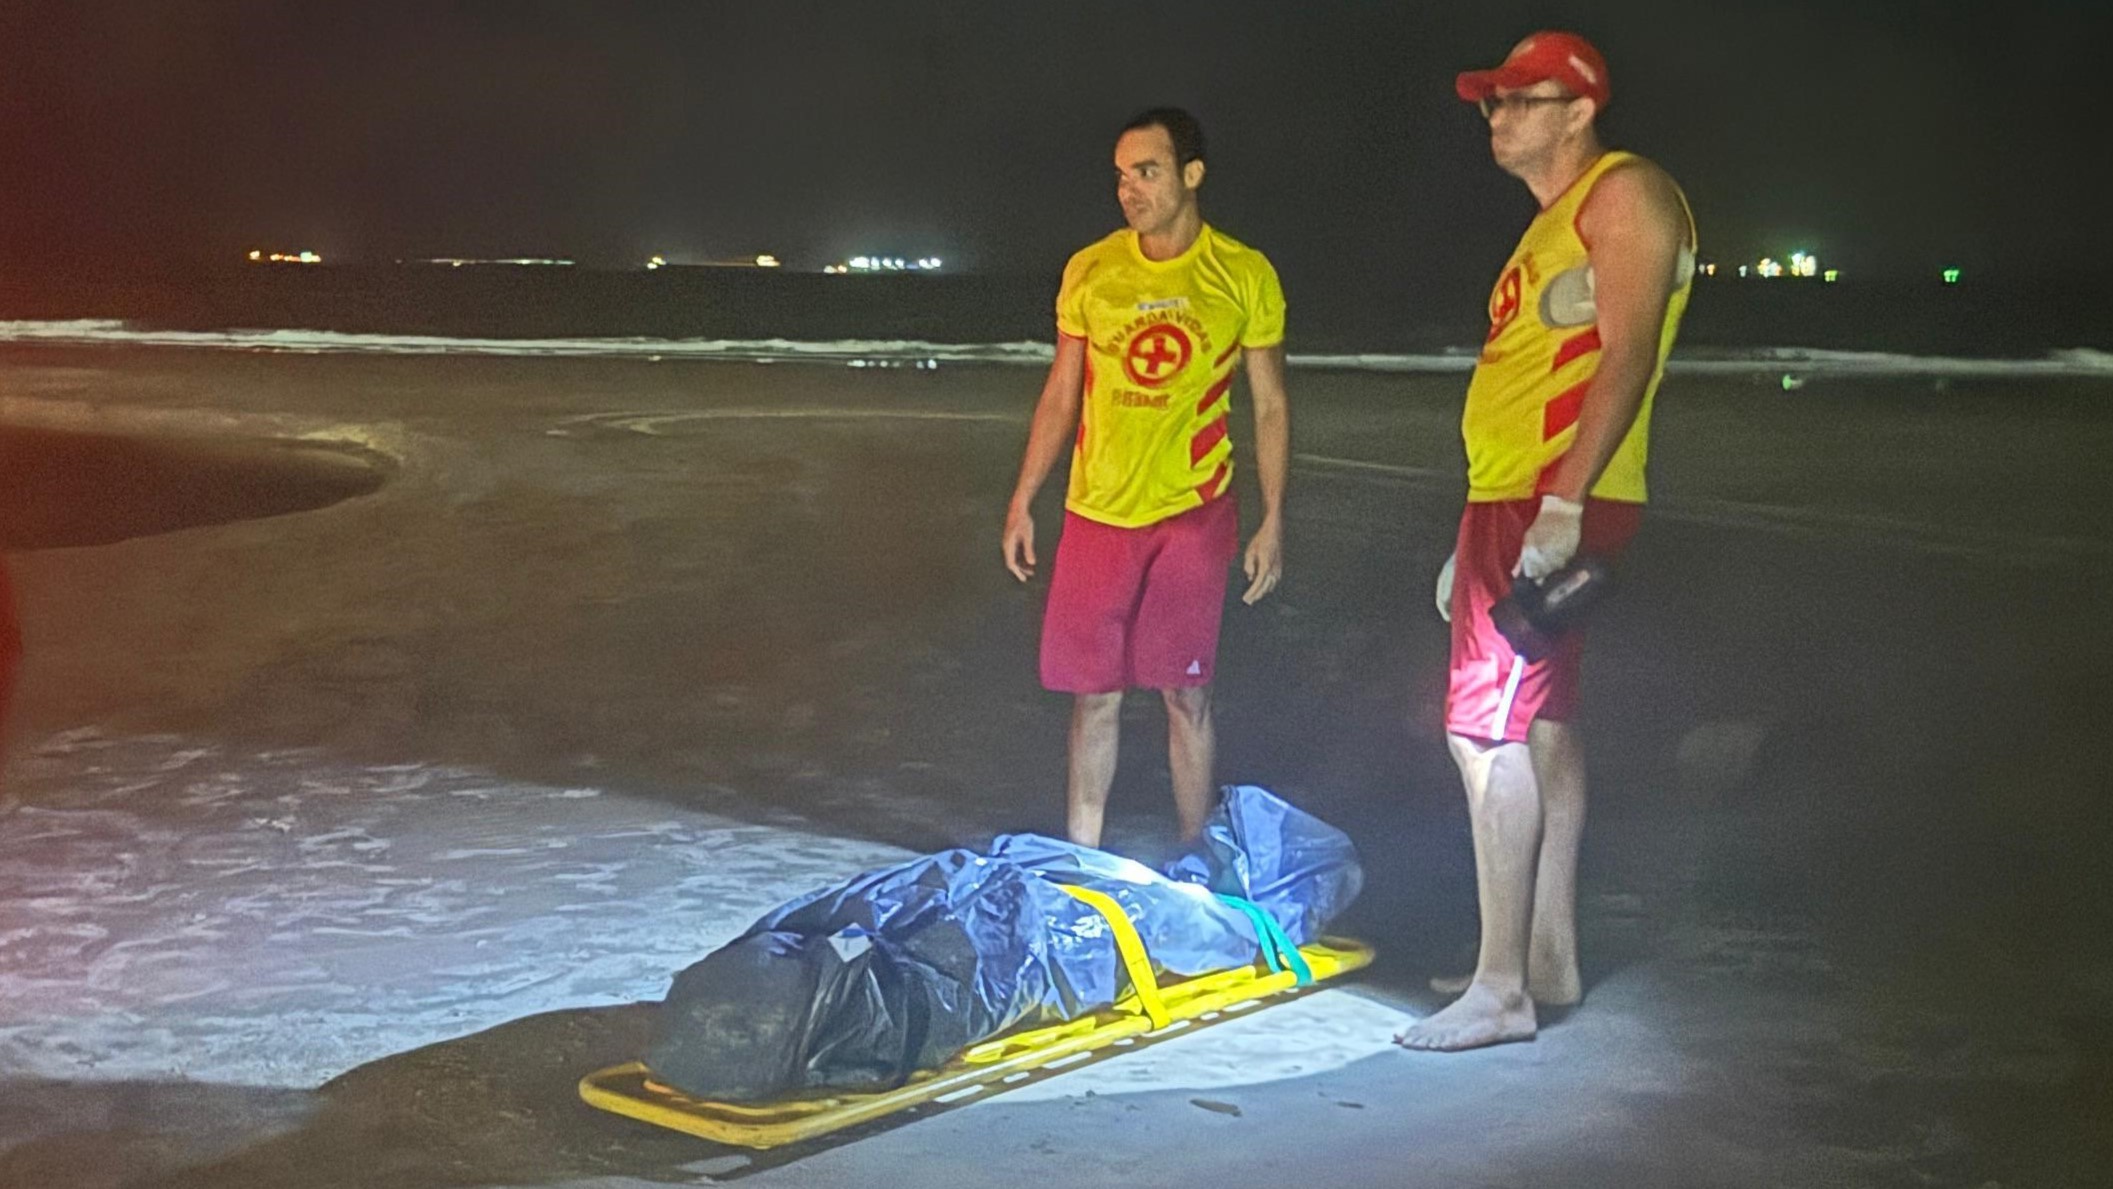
{"x": 1493, "y": 693}
{"x": 1138, "y": 607}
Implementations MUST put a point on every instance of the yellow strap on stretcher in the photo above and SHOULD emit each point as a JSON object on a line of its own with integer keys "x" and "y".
{"x": 1132, "y": 949}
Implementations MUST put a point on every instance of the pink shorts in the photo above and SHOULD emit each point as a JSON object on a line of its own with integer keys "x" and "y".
{"x": 1138, "y": 607}
{"x": 1493, "y": 693}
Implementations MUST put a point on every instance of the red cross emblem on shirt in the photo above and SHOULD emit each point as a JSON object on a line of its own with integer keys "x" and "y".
{"x": 1156, "y": 355}
{"x": 1503, "y": 303}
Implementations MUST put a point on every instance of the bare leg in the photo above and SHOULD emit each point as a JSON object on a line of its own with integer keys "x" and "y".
{"x": 1559, "y": 769}
{"x": 1192, "y": 751}
{"x": 1551, "y": 958}
{"x": 1096, "y": 729}
{"x": 1504, "y": 807}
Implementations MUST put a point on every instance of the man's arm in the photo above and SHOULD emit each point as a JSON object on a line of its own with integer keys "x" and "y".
{"x": 1633, "y": 226}
{"x": 1055, "y": 420}
{"x": 1265, "y": 383}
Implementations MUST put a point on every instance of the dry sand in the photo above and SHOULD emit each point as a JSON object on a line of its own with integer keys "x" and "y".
{"x": 335, "y": 845}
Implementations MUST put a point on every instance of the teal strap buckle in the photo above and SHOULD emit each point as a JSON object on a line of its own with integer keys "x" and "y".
{"x": 1277, "y": 949}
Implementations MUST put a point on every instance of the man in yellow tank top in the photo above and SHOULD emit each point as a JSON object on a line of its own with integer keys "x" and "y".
{"x": 1557, "y": 425}
{"x": 1152, "y": 322}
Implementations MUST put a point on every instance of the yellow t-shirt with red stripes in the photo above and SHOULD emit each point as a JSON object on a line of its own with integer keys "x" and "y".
{"x": 1542, "y": 352}
{"x": 1163, "y": 338}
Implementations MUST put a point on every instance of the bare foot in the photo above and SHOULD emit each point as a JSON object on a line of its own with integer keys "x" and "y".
{"x": 1452, "y": 984}
{"x": 1479, "y": 1017}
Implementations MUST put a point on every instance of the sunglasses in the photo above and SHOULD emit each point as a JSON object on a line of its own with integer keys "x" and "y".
{"x": 1492, "y": 104}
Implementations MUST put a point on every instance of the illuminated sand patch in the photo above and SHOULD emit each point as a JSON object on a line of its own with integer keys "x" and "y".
{"x": 173, "y": 909}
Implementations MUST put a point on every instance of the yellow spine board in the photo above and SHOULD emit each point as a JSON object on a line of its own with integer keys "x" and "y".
{"x": 1148, "y": 1012}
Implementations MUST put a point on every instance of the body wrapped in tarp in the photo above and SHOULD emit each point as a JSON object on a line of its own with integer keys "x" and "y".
{"x": 856, "y": 987}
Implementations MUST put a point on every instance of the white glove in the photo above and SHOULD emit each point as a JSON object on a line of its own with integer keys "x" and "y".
{"x": 1551, "y": 540}
{"x": 1445, "y": 587}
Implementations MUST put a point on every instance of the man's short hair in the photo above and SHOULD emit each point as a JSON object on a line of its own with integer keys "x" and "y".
{"x": 1181, "y": 128}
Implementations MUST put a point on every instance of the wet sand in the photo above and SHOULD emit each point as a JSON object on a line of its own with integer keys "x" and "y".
{"x": 1842, "y": 909}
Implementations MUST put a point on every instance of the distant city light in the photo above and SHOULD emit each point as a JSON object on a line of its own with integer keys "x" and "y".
{"x": 1802, "y": 264}
{"x": 1951, "y": 276}
{"x": 284, "y": 257}
{"x": 460, "y": 261}
{"x": 760, "y": 260}
{"x": 1831, "y": 275}
{"x": 884, "y": 264}
{"x": 1707, "y": 270}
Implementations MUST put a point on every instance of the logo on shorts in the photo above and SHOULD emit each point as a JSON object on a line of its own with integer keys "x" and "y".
{"x": 1195, "y": 668}
{"x": 1157, "y": 354}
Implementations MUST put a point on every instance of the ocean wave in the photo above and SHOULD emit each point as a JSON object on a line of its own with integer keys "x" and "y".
{"x": 102, "y": 331}
{"x": 1804, "y": 361}
{"x": 2078, "y": 361}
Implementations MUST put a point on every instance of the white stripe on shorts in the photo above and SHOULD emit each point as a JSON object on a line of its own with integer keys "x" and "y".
{"x": 1511, "y": 690}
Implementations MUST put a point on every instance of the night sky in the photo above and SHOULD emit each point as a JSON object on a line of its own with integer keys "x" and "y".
{"x": 1892, "y": 138}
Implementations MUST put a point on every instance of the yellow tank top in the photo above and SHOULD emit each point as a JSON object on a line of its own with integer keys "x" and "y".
{"x": 1541, "y": 354}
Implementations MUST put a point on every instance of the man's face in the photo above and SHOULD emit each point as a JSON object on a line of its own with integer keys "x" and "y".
{"x": 1148, "y": 183}
{"x": 1527, "y": 123}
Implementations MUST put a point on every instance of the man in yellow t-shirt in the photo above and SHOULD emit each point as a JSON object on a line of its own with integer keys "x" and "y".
{"x": 1152, "y": 322}
{"x": 1556, "y": 427}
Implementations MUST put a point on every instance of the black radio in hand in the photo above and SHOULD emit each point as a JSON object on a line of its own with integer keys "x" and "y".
{"x": 1537, "y": 611}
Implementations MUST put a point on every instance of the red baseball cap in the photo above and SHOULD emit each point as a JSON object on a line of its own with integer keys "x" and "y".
{"x": 1563, "y": 57}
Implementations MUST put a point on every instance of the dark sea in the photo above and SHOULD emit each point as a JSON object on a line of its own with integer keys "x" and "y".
{"x": 1370, "y": 320}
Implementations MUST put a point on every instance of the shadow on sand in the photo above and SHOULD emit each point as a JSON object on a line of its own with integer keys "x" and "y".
{"x": 60, "y": 488}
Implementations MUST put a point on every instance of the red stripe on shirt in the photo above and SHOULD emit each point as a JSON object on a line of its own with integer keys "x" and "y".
{"x": 1205, "y": 440}
{"x": 1085, "y": 393}
{"x": 1208, "y": 490}
{"x": 1229, "y": 353}
{"x": 1576, "y": 347}
{"x": 1561, "y": 413}
{"x": 1215, "y": 394}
